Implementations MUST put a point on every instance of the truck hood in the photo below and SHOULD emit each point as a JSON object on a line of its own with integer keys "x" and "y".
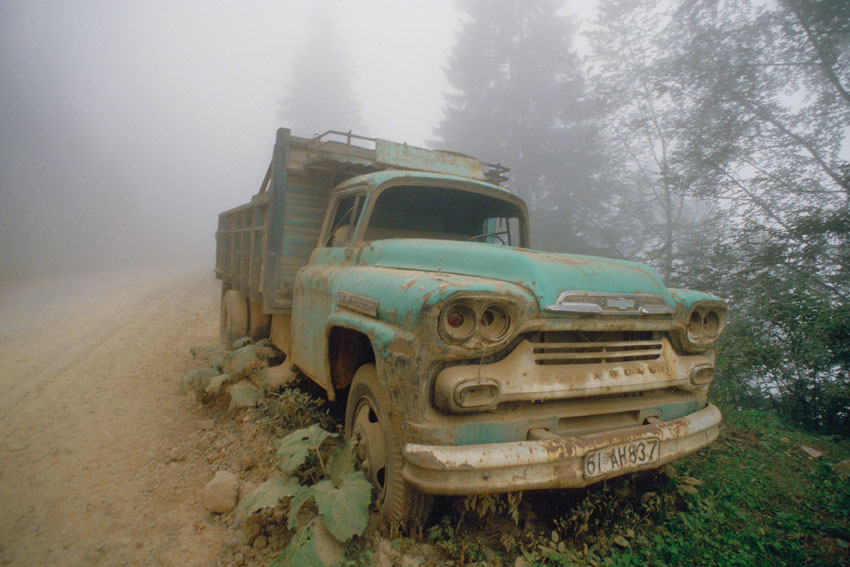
{"x": 545, "y": 274}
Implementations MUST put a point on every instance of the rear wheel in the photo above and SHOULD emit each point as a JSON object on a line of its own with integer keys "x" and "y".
{"x": 233, "y": 324}
{"x": 378, "y": 449}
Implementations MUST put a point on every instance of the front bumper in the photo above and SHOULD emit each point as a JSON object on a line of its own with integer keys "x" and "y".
{"x": 556, "y": 462}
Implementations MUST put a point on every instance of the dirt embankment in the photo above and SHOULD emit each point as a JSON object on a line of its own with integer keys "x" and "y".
{"x": 102, "y": 462}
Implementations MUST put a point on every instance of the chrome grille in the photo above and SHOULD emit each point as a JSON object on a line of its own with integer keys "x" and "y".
{"x": 576, "y": 347}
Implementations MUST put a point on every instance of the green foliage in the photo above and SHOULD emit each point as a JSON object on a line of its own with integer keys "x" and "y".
{"x": 456, "y": 545}
{"x": 294, "y": 408}
{"x": 293, "y": 449}
{"x": 485, "y": 506}
{"x": 301, "y": 496}
{"x": 342, "y": 498}
{"x": 726, "y": 126}
{"x": 341, "y": 462}
{"x": 344, "y": 504}
{"x": 267, "y": 495}
{"x": 309, "y": 547}
{"x": 752, "y": 498}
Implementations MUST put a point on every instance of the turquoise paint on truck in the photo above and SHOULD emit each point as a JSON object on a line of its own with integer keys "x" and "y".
{"x": 510, "y": 354}
{"x": 544, "y": 274}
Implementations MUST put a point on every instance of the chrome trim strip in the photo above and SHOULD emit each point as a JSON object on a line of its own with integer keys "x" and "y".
{"x": 609, "y": 303}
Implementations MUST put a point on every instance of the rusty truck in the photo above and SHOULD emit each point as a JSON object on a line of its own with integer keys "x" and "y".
{"x": 402, "y": 281}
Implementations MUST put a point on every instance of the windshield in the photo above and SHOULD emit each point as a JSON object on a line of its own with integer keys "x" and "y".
{"x": 443, "y": 213}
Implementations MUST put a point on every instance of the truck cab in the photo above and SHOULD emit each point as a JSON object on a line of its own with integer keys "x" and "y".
{"x": 470, "y": 363}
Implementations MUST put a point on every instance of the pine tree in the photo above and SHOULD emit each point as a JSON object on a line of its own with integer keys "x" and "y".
{"x": 320, "y": 95}
{"x": 519, "y": 99}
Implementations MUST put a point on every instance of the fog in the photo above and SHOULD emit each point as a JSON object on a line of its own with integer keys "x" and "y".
{"x": 126, "y": 127}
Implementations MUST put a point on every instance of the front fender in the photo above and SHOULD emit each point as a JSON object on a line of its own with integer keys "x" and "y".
{"x": 397, "y": 358}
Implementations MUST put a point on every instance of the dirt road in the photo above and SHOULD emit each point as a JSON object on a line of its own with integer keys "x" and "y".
{"x": 101, "y": 459}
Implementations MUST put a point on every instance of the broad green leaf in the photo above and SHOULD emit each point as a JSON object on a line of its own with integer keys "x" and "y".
{"x": 341, "y": 462}
{"x": 267, "y": 495}
{"x": 345, "y": 509}
{"x": 293, "y": 449}
{"x": 244, "y": 394}
{"x": 311, "y": 546}
{"x": 302, "y": 495}
{"x": 197, "y": 379}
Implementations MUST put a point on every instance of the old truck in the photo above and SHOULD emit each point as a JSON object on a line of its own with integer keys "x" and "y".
{"x": 401, "y": 280}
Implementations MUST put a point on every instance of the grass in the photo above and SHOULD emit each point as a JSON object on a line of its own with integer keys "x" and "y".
{"x": 751, "y": 498}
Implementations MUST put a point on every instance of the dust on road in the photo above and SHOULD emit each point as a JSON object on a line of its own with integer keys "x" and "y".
{"x": 100, "y": 458}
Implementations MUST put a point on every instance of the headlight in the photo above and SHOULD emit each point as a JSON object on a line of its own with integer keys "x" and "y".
{"x": 458, "y": 322}
{"x": 465, "y": 319}
{"x": 706, "y": 322}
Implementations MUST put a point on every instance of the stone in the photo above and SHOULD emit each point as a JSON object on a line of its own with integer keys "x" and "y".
{"x": 811, "y": 451}
{"x": 273, "y": 378}
{"x": 221, "y": 492}
{"x": 408, "y": 561}
{"x": 521, "y": 562}
{"x": 260, "y": 542}
{"x": 842, "y": 468}
{"x": 383, "y": 556}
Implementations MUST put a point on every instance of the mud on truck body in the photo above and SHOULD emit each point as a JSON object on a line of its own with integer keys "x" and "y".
{"x": 401, "y": 280}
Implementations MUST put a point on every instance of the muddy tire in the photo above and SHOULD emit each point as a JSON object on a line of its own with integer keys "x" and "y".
{"x": 234, "y": 317}
{"x": 378, "y": 449}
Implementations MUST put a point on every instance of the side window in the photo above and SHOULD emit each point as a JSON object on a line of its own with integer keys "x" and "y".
{"x": 345, "y": 219}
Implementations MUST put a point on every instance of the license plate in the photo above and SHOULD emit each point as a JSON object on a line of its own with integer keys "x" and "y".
{"x": 620, "y": 457}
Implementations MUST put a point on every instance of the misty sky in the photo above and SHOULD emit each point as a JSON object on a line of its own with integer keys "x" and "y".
{"x": 125, "y": 127}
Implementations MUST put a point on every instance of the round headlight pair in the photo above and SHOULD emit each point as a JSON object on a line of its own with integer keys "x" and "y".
{"x": 706, "y": 324}
{"x": 461, "y": 320}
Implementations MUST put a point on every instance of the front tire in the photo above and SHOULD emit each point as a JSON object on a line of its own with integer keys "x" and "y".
{"x": 378, "y": 448}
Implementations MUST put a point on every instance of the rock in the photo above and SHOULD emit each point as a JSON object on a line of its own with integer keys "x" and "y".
{"x": 260, "y": 542}
{"x": 220, "y": 493}
{"x": 274, "y": 378}
{"x": 811, "y": 451}
{"x": 383, "y": 556}
{"x": 177, "y": 455}
{"x": 521, "y": 562}
{"x": 206, "y": 424}
{"x": 407, "y": 561}
{"x": 842, "y": 468}
{"x": 243, "y": 395}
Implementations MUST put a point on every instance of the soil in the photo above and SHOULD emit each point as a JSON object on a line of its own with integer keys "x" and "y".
{"x": 102, "y": 460}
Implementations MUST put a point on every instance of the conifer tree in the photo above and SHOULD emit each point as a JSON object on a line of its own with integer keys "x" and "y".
{"x": 519, "y": 99}
{"x": 320, "y": 95}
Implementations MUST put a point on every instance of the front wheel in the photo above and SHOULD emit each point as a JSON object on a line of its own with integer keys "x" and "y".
{"x": 378, "y": 449}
